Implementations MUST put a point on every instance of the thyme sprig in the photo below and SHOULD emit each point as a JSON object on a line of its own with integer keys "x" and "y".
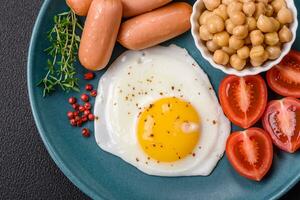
{"x": 63, "y": 51}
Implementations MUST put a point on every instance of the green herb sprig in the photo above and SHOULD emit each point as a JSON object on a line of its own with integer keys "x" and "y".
{"x": 63, "y": 51}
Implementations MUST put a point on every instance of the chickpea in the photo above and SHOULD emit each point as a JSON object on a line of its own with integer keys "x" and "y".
{"x": 243, "y": 52}
{"x": 275, "y": 23}
{"x": 221, "y": 11}
{"x": 256, "y": 37}
{"x": 234, "y": 7}
{"x": 229, "y": 26}
{"x": 279, "y": 44}
{"x": 215, "y": 24}
{"x": 238, "y": 18}
{"x": 211, "y": 4}
{"x": 227, "y": 2}
{"x": 236, "y": 62}
{"x": 204, "y": 33}
{"x": 211, "y": 46}
{"x": 260, "y": 61}
{"x": 265, "y": 24}
{"x": 204, "y": 17}
{"x": 274, "y": 52}
{"x": 235, "y": 43}
{"x": 248, "y": 40}
{"x": 285, "y": 16}
{"x": 249, "y": 8}
{"x": 265, "y": 56}
{"x": 220, "y": 57}
{"x": 245, "y": 1}
{"x": 278, "y": 4}
{"x": 221, "y": 39}
{"x": 255, "y": 63}
{"x": 251, "y": 22}
{"x": 263, "y": 1}
{"x": 285, "y": 34}
{"x": 229, "y": 50}
{"x": 257, "y": 53}
{"x": 240, "y": 32}
{"x": 269, "y": 10}
{"x": 260, "y": 10}
{"x": 271, "y": 38}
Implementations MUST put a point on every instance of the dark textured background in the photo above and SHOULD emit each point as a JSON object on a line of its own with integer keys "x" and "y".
{"x": 26, "y": 170}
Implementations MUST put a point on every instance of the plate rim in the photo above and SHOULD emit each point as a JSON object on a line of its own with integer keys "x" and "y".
{"x": 83, "y": 187}
{"x": 52, "y": 152}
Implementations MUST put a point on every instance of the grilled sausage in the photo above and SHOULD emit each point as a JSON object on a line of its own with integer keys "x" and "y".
{"x": 154, "y": 27}
{"x": 100, "y": 33}
{"x": 137, "y": 7}
{"x": 80, "y": 7}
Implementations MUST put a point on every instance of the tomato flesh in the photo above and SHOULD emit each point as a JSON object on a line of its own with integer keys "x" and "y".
{"x": 284, "y": 77}
{"x": 282, "y": 121}
{"x": 243, "y": 99}
{"x": 250, "y": 152}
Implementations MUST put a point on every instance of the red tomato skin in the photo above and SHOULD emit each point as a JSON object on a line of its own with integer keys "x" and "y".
{"x": 232, "y": 159}
{"x": 225, "y": 105}
{"x": 277, "y": 87}
{"x": 268, "y": 128}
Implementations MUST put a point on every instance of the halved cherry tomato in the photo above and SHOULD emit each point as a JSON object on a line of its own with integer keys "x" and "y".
{"x": 284, "y": 78}
{"x": 282, "y": 121}
{"x": 243, "y": 99}
{"x": 250, "y": 152}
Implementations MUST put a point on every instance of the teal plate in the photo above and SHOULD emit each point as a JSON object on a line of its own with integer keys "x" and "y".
{"x": 103, "y": 176}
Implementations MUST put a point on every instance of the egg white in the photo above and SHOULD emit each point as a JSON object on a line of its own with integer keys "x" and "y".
{"x": 137, "y": 79}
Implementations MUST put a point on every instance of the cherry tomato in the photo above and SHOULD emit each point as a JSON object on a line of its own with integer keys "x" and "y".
{"x": 282, "y": 121}
{"x": 284, "y": 77}
{"x": 243, "y": 99}
{"x": 250, "y": 152}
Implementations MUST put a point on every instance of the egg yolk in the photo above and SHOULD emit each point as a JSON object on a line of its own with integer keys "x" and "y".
{"x": 169, "y": 129}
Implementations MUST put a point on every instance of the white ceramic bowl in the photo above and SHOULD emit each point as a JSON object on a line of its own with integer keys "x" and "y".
{"x": 198, "y": 8}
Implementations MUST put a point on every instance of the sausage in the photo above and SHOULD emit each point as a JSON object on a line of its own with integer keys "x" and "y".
{"x": 137, "y": 7}
{"x": 130, "y": 7}
{"x": 80, "y": 7}
{"x": 154, "y": 27}
{"x": 100, "y": 33}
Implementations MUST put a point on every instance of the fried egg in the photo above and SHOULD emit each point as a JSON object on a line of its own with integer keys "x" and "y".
{"x": 156, "y": 109}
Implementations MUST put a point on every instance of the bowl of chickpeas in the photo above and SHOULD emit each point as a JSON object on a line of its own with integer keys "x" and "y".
{"x": 244, "y": 37}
